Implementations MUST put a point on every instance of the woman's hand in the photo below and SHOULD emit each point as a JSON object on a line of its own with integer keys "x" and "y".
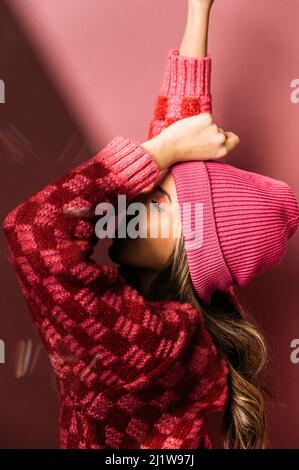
{"x": 193, "y": 138}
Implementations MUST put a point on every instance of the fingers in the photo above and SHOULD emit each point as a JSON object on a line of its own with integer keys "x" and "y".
{"x": 228, "y": 141}
{"x": 221, "y": 136}
{"x": 222, "y": 131}
{"x": 231, "y": 142}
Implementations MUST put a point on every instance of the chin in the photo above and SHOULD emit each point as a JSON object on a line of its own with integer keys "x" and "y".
{"x": 113, "y": 253}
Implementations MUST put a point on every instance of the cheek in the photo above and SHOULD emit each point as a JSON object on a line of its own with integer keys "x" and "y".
{"x": 150, "y": 253}
{"x": 154, "y": 250}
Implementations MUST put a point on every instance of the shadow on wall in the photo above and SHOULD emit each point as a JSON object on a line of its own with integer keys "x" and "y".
{"x": 38, "y": 143}
{"x": 248, "y": 103}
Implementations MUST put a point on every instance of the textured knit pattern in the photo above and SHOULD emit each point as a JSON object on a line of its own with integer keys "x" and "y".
{"x": 255, "y": 216}
{"x": 130, "y": 373}
{"x": 185, "y": 90}
{"x": 245, "y": 223}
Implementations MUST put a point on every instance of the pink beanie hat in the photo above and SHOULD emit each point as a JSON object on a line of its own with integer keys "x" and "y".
{"x": 246, "y": 220}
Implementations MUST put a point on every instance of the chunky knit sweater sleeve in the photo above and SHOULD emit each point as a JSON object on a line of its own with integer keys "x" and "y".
{"x": 91, "y": 322}
{"x": 114, "y": 353}
{"x": 185, "y": 90}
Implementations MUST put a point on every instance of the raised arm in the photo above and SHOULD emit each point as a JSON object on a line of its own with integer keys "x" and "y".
{"x": 186, "y": 83}
{"x": 185, "y": 89}
{"x": 92, "y": 323}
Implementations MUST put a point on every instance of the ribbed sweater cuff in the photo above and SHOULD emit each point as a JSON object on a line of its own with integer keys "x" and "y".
{"x": 186, "y": 76}
{"x": 132, "y": 166}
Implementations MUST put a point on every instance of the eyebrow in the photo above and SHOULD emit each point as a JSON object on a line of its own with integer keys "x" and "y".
{"x": 163, "y": 191}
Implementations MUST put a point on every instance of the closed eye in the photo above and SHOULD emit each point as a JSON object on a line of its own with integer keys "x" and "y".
{"x": 156, "y": 204}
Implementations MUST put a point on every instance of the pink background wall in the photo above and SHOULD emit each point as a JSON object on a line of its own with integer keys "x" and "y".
{"x": 79, "y": 72}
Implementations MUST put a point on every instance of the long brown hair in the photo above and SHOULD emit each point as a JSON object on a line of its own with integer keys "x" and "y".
{"x": 239, "y": 341}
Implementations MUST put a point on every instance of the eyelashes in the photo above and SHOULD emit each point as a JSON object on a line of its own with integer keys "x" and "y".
{"x": 156, "y": 204}
{"x": 160, "y": 204}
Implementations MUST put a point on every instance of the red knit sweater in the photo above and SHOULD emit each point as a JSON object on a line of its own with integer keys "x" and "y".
{"x": 130, "y": 373}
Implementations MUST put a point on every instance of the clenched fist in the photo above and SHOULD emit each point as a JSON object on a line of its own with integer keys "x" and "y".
{"x": 193, "y": 138}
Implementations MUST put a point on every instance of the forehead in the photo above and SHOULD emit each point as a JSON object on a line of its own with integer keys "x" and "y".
{"x": 167, "y": 182}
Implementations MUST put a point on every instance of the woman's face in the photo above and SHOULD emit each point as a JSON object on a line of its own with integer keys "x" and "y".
{"x": 160, "y": 222}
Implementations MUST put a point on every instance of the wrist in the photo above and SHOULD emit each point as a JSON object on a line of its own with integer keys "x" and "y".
{"x": 201, "y": 6}
{"x": 158, "y": 149}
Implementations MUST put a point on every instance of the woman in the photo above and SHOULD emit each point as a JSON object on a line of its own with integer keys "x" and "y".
{"x": 144, "y": 351}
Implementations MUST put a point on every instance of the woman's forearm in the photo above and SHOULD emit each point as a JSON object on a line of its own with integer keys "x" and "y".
{"x": 195, "y": 38}
{"x": 158, "y": 150}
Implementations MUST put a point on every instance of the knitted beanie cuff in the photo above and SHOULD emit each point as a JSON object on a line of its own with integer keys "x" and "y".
{"x": 208, "y": 269}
